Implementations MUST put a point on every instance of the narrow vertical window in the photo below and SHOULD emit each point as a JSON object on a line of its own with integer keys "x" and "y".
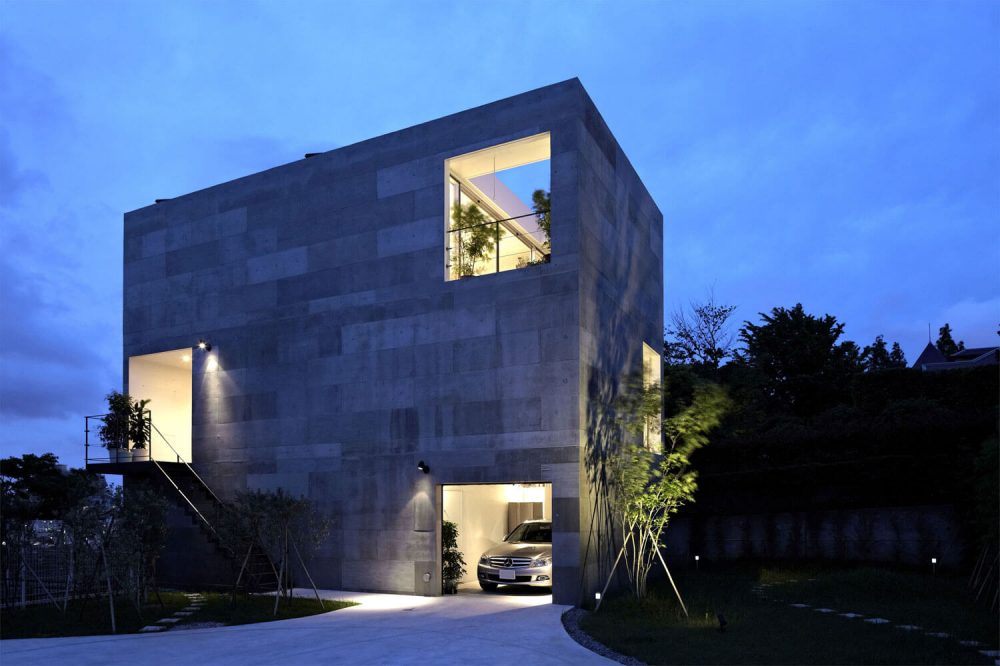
{"x": 499, "y": 208}
{"x": 652, "y": 375}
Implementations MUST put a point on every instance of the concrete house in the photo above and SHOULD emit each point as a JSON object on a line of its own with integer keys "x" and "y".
{"x": 462, "y": 295}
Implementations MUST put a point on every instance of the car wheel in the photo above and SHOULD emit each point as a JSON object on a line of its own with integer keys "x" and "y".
{"x": 488, "y": 587}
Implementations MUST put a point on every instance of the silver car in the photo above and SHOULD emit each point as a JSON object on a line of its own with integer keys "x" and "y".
{"x": 523, "y": 559}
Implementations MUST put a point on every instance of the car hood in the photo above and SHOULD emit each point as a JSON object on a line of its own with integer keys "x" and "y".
{"x": 519, "y": 550}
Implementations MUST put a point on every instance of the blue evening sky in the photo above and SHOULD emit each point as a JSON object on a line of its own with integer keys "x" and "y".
{"x": 842, "y": 154}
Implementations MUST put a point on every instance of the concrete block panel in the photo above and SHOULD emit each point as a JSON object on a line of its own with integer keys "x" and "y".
{"x": 409, "y": 176}
{"x": 277, "y": 265}
{"x": 419, "y": 235}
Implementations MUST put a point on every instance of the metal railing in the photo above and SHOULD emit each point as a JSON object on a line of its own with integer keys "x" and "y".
{"x": 115, "y": 455}
{"x": 534, "y": 252}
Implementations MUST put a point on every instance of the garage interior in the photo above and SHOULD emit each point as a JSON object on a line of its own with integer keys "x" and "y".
{"x": 486, "y": 513}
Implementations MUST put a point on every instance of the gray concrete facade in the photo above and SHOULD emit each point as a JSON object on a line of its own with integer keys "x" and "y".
{"x": 341, "y": 355}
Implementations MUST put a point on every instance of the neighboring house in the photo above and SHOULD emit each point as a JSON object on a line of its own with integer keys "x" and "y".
{"x": 931, "y": 359}
{"x": 358, "y": 324}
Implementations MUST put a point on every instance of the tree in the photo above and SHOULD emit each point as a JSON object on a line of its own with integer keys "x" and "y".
{"x": 541, "y": 204}
{"x": 897, "y": 359}
{"x": 802, "y": 366}
{"x": 703, "y": 336}
{"x": 946, "y": 344}
{"x": 477, "y": 238}
{"x": 648, "y": 487}
{"x": 877, "y": 356}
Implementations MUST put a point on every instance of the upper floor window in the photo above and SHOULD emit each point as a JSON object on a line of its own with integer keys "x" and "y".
{"x": 499, "y": 210}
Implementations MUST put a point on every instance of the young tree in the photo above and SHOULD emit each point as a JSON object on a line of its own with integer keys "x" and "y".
{"x": 701, "y": 336}
{"x": 648, "y": 487}
{"x": 476, "y": 237}
{"x": 946, "y": 344}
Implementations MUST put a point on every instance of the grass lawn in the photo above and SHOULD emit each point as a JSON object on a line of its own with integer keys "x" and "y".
{"x": 93, "y": 617}
{"x": 769, "y": 631}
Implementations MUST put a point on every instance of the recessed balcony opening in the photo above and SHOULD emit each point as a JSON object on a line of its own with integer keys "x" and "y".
{"x": 505, "y": 537}
{"x": 165, "y": 379}
{"x": 498, "y": 208}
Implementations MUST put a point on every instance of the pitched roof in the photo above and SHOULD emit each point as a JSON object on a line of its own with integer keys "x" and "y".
{"x": 930, "y": 354}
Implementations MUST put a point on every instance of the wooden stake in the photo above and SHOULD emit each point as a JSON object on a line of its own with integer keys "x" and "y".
{"x": 243, "y": 567}
{"x": 304, "y": 569}
{"x": 669, "y": 577}
{"x": 277, "y": 592}
{"x": 111, "y": 597}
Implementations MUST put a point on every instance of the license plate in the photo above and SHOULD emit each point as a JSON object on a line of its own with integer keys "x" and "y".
{"x": 507, "y": 574}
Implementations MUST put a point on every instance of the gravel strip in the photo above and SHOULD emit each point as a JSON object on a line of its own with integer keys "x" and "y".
{"x": 571, "y": 623}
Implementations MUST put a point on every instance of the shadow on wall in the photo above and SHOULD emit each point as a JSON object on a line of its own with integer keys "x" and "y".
{"x": 607, "y": 377}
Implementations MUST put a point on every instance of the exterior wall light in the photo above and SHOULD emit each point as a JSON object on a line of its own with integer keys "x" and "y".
{"x": 422, "y": 466}
{"x": 204, "y": 346}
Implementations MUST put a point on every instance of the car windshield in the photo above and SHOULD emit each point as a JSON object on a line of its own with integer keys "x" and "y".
{"x": 531, "y": 533}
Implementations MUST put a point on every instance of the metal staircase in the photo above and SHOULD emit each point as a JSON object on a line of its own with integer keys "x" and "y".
{"x": 198, "y": 501}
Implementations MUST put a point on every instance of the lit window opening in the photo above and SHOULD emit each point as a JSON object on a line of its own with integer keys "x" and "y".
{"x": 498, "y": 208}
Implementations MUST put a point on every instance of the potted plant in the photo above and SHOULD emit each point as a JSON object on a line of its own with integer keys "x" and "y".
{"x": 477, "y": 238}
{"x": 124, "y": 422}
{"x": 140, "y": 429}
{"x": 452, "y": 562}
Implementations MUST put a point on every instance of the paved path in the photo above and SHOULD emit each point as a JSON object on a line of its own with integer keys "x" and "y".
{"x": 513, "y": 629}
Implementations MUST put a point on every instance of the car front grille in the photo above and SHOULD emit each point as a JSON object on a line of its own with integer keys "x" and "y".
{"x": 493, "y": 578}
{"x": 510, "y": 562}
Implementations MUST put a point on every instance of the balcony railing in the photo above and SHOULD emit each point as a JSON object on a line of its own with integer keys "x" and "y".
{"x": 496, "y": 246}
{"x": 97, "y": 452}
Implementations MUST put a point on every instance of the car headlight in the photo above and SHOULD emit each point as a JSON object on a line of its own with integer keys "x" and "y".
{"x": 539, "y": 562}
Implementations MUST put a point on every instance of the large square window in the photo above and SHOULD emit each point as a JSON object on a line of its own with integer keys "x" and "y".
{"x": 499, "y": 210}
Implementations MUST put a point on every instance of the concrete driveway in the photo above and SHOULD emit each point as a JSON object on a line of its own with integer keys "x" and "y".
{"x": 514, "y": 629}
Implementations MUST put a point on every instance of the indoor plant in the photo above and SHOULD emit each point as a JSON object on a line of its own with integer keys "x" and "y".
{"x": 452, "y": 562}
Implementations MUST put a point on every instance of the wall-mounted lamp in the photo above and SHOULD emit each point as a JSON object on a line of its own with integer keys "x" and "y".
{"x": 422, "y": 466}
{"x": 204, "y": 346}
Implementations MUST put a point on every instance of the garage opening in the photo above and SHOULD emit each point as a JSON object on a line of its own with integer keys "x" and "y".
{"x": 504, "y": 535}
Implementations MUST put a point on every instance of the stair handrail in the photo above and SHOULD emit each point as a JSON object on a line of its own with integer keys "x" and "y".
{"x": 181, "y": 460}
{"x": 180, "y": 492}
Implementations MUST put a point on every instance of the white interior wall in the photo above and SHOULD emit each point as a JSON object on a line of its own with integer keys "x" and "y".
{"x": 165, "y": 380}
{"x": 480, "y": 511}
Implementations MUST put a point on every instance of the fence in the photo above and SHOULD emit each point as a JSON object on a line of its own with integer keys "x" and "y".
{"x": 55, "y": 573}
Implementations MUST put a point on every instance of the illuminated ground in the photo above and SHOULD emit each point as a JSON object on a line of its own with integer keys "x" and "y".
{"x": 513, "y": 628}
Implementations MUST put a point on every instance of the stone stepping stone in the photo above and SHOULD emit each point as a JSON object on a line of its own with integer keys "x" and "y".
{"x": 990, "y": 653}
{"x": 169, "y": 620}
{"x": 151, "y": 628}
{"x": 969, "y": 643}
{"x": 183, "y": 613}
{"x": 877, "y": 620}
{"x": 824, "y": 610}
{"x": 799, "y": 605}
{"x": 937, "y": 634}
{"x": 908, "y": 627}
{"x": 851, "y": 616}
{"x": 191, "y": 608}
